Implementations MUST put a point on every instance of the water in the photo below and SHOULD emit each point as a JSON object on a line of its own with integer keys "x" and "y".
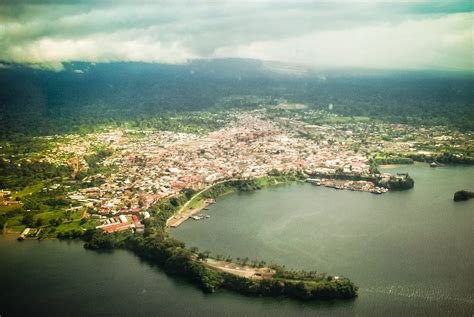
{"x": 410, "y": 252}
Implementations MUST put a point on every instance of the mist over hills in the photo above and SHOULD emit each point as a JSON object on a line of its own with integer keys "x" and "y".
{"x": 35, "y": 101}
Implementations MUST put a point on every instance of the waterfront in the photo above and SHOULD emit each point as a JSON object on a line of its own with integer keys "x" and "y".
{"x": 410, "y": 252}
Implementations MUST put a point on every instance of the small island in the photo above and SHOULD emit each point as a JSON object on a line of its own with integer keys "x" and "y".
{"x": 462, "y": 195}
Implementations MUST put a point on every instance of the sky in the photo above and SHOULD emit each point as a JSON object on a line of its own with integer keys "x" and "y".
{"x": 376, "y": 34}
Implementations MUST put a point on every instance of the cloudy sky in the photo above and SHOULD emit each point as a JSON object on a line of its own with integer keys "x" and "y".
{"x": 389, "y": 34}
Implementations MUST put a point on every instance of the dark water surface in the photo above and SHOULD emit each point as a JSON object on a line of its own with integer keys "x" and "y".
{"x": 411, "y": 253}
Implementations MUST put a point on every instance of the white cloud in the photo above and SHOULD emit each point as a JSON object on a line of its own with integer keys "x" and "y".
{"x": 440, "y": 42}
{"x": 327, "y": 34}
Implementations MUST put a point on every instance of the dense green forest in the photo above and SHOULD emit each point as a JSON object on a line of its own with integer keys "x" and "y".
{"x": 85, "y": 96}
{"x": 18, "y": 174}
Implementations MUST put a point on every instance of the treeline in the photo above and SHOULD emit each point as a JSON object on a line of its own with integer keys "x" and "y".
{"x": 408, "y": 158}
{"x": 444, "y": 158}
{"x": 95, "y": 159}
{"x": 163, "y": 209}
{"x": 405, "y": 97}
{"x": 15, "y": 174}
{"x": 39, "y": 102}
{"x": 95, "y": 166}
{"x": 175, "y": 259}
{"x": 462, "y": 195}
{"x": 399, "y": 182}
{"x": 343, "y": 176}
{"x": 189, "y": 122}
{"x": 326, "y": 289}
{"x": 164, "y": 120}
{"x": 393, "y": 160}
{"x": 251, "y": 184}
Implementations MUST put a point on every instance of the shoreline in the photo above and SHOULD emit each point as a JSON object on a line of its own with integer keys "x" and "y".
{"x": 184, "y": 214}
{"x": 415, "y": 163}
{"x": 177, "y": 219}
{"x": 212, "y": 274}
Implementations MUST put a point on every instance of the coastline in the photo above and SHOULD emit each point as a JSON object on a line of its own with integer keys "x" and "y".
{"x": 184, "y": 214}
{"x": 211, "y": 273}
{"x": 415, "y": 163}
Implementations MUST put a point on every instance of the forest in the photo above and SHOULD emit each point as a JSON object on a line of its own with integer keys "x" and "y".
{"x": 85, "y": 96}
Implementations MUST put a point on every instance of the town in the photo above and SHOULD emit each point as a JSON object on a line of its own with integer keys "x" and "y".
{"x": 132, "y": 169}
{"x": 160, "y": 164}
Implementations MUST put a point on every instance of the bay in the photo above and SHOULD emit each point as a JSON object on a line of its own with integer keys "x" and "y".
{"x": 410, "y": 252}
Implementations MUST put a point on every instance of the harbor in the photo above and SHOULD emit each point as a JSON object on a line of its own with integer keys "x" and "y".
{"x": 185, "y": 213}
{"x": 361, "y": 185}
{"x": 200, "y": 217}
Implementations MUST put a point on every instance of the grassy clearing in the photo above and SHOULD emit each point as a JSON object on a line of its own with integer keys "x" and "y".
{"x": 73, "y": 226}
{"x": 7, "y": 209}
{"x": 28, "y": 190}
{"x": 14, "y": 224}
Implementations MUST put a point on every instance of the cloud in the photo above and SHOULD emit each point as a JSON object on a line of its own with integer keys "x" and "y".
{"x": 380, "y": 34}
{"x": 433, "y": 43}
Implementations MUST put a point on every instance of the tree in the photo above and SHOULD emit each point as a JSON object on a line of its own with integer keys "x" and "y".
{"x": 39, "y": 222}
{"x": 27, "y": 219}
{"x": 3, "y": 221}
{"x": 174, "y": 201}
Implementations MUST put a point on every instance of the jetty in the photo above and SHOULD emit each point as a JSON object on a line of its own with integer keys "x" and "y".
{"x": 23, "y": 234}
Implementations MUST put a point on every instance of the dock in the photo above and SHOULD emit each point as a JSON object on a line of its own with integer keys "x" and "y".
{"x": 178, "y": 219}
{"x": 175, "y": 221}
{"x": 24, "y": 234}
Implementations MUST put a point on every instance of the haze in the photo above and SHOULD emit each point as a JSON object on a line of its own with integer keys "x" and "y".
{"x": 363, "y": 34}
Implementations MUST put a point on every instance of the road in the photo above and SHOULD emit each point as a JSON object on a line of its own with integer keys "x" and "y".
{"x": 182, "y": 214}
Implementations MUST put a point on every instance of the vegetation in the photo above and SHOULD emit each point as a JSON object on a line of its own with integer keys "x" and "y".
{"x": 157, "y": 247}
{"x": 463, "y": 195}
{"x": 444, "y": 158}
{"x": 40, "y": 102}
{"x": 37, "y": 103}
{"x": 16, "y": 174}
{"x": 392, "y": 159}
{"x": 398, "y": 182}
{"x": 39, "y": 197}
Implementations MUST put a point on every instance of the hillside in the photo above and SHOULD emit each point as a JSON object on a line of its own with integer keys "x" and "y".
{"x": 36, "y": 102}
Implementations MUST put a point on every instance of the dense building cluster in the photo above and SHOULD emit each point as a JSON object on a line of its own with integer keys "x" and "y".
{"x": 147, "y": 165}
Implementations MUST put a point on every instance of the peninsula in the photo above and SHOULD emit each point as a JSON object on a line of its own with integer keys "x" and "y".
{"x": 123, "y": 187}
{"x": 211, "y": 273}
